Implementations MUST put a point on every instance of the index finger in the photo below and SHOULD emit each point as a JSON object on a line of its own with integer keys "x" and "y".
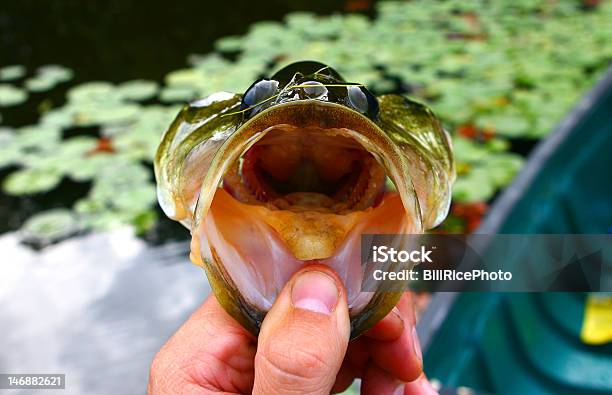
{"x": 208, "y": 349}
{"x": 400, "y": 356}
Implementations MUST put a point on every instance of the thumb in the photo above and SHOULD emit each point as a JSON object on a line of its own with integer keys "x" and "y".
{"x": 304, "y": 336}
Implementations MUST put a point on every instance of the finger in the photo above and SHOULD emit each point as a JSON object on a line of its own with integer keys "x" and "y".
{"x": 378, "y": 382}
{"x": 344, "y": 378}
{"x": 358, "y": 354}
{"x": 209, "y": 349}
{"x": 389, "y": 328}
{"x": 304, "y": 336}
{"x": 401, "y": 357}
{"x": 420, "y": 386}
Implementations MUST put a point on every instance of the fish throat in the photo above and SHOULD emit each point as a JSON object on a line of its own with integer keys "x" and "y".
{"x": 308, "y": 169}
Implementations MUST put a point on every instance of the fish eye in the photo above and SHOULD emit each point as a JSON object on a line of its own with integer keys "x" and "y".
{"x": 258, "y": 92}
{"x": 363, "y": 100}
{"x": 314, "y": 89}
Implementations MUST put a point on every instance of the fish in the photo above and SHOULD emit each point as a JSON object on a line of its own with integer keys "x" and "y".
{"x": 293, "y": 172}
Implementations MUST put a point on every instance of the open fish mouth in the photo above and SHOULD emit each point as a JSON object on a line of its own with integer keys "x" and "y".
{"x": 300, "y": 187}
{"x": 298, "y": 183}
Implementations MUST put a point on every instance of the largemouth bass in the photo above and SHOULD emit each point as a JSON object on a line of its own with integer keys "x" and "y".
{"x": 293, "y": 172}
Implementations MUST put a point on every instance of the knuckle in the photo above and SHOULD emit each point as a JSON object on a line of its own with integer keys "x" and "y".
{"x": 158, "y": 366}
{"x": 158, "y": 373}
{"x": 291, "y": 365}
{"x": 167, "y": 375}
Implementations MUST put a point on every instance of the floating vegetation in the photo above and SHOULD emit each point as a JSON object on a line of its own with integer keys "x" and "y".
{"x": 48, "y": 77}
{"x": 11, "y": 95}
{"x": 31, "y": 181}
{"x": 138, "y": 90}
{"x": 49, "y": 227}
{"x": 37, "y": 84}
{"x": 55, "y": 73}
{"x": 10, "y": 73}
{"x": 499, "y": 74}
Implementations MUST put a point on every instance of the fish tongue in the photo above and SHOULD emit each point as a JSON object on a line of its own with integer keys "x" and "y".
{"x": 304, "y": 234}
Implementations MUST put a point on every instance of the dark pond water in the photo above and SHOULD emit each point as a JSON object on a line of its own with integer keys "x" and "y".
{"x": 117, "y": 40}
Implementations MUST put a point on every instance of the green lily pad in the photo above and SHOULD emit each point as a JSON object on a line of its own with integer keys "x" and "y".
{"x": 31, "y": 181}
{"x": 11, "y": 96}
{"x": 186, "y": 78}
{"x": 50, "y": 226}
{"x": 55, "y": 73}
{"x": 229, "y": 44}
{"x": 503, "y": 168}
{"x": 468, "y": 151}
{"x": 138, "y": 90}
{"x": 136, "y": 198}
{"x": 9, "y": 155}
{"x": 36, "y": 138}
{"x": 13, "y": 72}
{"x": 94, "y": 93}
{"x": 88, "y": 167}
{"x": 144, "y": 221}
{"x": 175, "y": 94}
{"x": 90, "y": 114}
{"x": 511, "y": 125}
{"x": 59, "y": 117}
{"x": 474, "y": 187}
{"x": 38, "y": 84}
{"x": 77, "y": 146}
{"x": 106, "y": 220}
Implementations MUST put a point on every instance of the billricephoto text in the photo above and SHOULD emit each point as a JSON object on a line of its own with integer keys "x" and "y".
{"x": 441, "y": 275}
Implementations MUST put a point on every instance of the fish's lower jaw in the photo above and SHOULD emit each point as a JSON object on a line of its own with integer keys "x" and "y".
{"x": 260, "y": 249}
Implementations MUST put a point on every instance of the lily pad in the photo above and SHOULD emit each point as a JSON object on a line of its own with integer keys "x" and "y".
{"x": 78, "y": 146}
{"x": 13, "y": 72}
{"x": 50, "y": 226}
{"x": 87, "y": 168}
{"x": 36, "y": 138}
{"x": 186, "y": 78}
{"x": 38, "y": 84}
{"x": 476, "y": 186}
{"x": 55, "y": 73}
{"x": 59, "y": 117}
{"x": 511, "y": 125}
{"x": 91, "y": 114}
{"x": 9, "y": 155}
{"x": 229, "y": 44}
{"x": 175, "y": 94}
{"x": 138, "y": 90}
{"x": 11, "y": 95}
{"x": 96, "y": 92}
{"x": 503, "y": 168}
{"x": 31, "y": 181}
{"x": 136, "y": 198}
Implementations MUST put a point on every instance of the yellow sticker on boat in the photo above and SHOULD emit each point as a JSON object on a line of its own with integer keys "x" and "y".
{"x": 597, "y": 322}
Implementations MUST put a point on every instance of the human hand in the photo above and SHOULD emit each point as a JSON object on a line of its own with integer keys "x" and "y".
{"x": 303, "y": 347}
